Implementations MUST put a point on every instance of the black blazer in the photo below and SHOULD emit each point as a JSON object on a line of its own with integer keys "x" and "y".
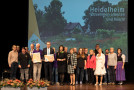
{"x": 45, "y": 51}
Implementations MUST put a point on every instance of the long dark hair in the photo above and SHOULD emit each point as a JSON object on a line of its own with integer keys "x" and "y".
{"x": 119, "y": 49}
{"x": 80, "y": 55}
{"x": 62, "y": 47}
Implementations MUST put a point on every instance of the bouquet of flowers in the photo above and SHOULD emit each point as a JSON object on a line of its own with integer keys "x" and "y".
{"x": 38, "y": 84}
{"x": 11, "y": 83}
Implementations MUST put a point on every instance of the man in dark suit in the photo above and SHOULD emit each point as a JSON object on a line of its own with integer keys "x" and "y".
{"x": 48, "y": 65}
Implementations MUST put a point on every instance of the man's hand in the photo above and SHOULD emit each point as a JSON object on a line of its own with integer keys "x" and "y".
{"x": 58, "y": 59}
{"x": 9, "y": 65}
{"x": 107, "y": 66}
{"x": 28, "y": 66}
{"x": 122, "y": 67}
{"x": 19, "y": 66}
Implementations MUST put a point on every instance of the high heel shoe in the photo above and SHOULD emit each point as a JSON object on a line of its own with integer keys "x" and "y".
{"x": 100, "y": 84}
{"x": 96, "y": 83}
{"x": 73, "y": 84}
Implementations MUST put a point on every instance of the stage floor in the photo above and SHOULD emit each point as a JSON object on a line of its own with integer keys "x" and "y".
{"x": 129, "y": 86}
{"x": 93, "y": 87}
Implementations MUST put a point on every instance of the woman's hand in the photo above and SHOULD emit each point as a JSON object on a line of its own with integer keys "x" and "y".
{"x": 114, "y": 67}
{"x": 85, "y": 68}
{"x": 93, "y": 69}
{"x": 74, "y": 67}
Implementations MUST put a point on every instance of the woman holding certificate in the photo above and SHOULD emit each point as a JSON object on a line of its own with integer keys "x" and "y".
{"x": 61, "y": 58}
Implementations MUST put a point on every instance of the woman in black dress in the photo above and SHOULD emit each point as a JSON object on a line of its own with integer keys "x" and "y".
{"x": 61, "y": 58}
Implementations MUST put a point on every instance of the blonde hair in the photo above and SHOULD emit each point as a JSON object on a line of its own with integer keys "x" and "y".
{"x": 91, "y": 50}
{"x": 100, "y": 49}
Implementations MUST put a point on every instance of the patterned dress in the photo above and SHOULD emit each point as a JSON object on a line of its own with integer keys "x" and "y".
{"x": 71, "y": 62}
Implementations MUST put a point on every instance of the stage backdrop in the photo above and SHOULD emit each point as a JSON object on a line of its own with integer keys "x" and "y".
{"x": 79, "y": 23}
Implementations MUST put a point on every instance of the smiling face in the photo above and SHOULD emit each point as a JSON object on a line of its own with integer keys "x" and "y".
{"x": 80, "y": 51}
{"x": 61, "y": 48}
{"x": 91, "y": 52}
{"x": 86, "y": 51}
{"x": 71, "y": 51}
{"x": 119, "y": 51}
{"x": 99, "y": 50}
{"x": 75, "y": 50}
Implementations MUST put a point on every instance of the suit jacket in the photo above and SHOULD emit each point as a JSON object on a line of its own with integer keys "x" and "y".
{"x": 45, "y": 51}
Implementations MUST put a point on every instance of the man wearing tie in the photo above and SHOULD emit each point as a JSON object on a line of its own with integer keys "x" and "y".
{"x": 48, "y": 65}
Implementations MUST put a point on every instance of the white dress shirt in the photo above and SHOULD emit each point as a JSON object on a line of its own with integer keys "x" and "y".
{"x": 48, "y": 51}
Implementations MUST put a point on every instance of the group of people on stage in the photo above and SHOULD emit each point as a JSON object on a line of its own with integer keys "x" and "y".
{"x": 73, "y": 66}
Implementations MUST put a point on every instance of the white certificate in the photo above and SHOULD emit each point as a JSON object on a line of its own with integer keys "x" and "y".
{"x": 49, "y": 57}
{"x": 36, "y": 57}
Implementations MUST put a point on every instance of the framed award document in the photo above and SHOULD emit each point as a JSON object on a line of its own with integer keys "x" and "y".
{"x": 36, "y": 57}
{"x": 49, "y": 58}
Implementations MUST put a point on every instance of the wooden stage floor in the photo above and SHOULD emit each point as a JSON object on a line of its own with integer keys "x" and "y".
{"x": 93, "y": 87}
{"x": 129, "y": 86}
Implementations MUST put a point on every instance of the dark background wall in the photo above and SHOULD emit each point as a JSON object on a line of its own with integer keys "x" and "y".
{"x": 14, "y": 30}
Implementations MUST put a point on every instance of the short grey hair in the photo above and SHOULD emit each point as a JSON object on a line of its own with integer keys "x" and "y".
{"x": 37, "y": 44}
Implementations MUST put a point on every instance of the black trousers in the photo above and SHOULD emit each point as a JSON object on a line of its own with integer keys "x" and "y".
{"x": 90, "y": 72}
{"x": 112, "y": 74}
{"x": 48, "y": 67}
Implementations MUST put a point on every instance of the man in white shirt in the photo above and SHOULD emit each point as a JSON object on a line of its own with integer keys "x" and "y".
{"x": 13, "y": 61}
